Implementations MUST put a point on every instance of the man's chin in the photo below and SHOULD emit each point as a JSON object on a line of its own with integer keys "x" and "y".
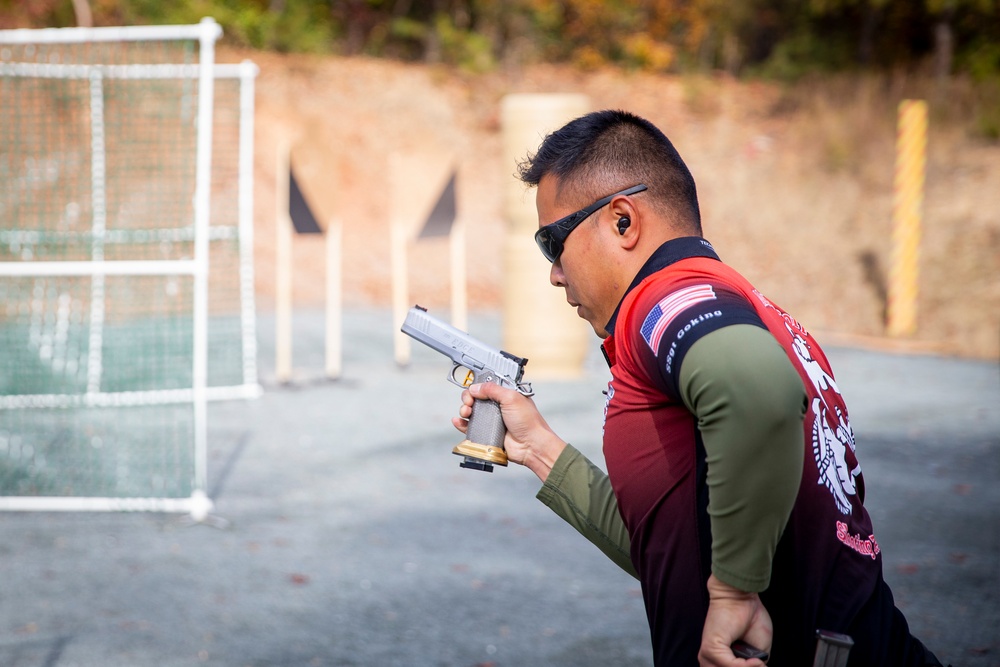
{"x": 598, "y": 328}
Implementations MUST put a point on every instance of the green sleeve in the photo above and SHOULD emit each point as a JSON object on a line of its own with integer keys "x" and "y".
{"x": 580, "y": 493}
{"x": 749, "y": 402}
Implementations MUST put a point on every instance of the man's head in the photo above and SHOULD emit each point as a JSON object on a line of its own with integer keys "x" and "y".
{"x": 588, "y": 175}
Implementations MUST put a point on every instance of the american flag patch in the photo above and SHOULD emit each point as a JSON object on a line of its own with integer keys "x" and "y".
{"x": 663, "y": 313}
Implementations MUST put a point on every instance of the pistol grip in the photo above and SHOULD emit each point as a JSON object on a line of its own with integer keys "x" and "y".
{"x": 486, "y": 425}
{"x": 486, "y": 431}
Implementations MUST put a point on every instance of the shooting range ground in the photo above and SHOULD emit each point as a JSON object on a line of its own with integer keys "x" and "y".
{"x": 354, "y": 538}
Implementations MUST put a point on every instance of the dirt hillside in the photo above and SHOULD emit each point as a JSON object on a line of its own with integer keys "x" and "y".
{"x": 796, "y": 187}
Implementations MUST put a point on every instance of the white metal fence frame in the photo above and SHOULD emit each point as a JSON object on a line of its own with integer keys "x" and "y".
{"x": 206, "y": 33}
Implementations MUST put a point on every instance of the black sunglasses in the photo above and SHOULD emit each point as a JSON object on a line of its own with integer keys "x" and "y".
{"x": 550, "y": 238}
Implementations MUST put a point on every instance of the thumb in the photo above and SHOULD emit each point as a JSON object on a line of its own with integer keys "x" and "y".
{"x": 485, "y": 391}
{"x": 492, "y": 392}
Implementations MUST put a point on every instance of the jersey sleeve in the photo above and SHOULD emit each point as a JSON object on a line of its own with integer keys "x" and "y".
{"x": 749, "y": 402}
{"x": 673, "y": 322}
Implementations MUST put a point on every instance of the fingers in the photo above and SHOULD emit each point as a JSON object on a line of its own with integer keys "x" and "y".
{"x": 491, "y": 391}
{"x": 722, "y": 656}
{"x": 482, "y": 392}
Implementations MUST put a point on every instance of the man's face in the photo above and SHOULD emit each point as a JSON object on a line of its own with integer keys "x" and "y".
{"x": 587, "y": 268}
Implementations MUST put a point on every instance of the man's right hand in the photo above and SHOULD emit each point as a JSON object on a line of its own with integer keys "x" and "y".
{"x": 529, "y": 440}
{"x": 733, "y": 614}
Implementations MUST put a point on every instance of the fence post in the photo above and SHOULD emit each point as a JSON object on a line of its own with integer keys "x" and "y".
{"x": 283, "y": 268}
{"x": 911, "y": 144}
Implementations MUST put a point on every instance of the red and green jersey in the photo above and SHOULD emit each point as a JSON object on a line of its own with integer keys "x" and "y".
{"x": 827, "y": 565}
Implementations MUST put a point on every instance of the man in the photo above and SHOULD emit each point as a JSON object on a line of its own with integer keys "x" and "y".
{"x": 733, "y": 491}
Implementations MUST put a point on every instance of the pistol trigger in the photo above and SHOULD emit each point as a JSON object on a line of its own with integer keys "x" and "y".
{"x": 466, "y": 381}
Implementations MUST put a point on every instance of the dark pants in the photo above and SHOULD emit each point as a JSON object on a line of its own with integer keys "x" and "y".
{"x": 881, "y": 624}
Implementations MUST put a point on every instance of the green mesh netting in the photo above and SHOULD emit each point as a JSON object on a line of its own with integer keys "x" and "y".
{"x": 100, "y": 164}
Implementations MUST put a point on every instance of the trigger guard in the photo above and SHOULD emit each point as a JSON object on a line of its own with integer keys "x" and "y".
{"x": 467, "y": 381}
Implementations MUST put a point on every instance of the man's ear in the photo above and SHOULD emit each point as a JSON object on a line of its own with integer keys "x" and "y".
{"x": 627, "y": 222}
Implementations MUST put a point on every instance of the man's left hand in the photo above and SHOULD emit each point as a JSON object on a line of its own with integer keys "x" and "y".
{"x": 733, "y": 614}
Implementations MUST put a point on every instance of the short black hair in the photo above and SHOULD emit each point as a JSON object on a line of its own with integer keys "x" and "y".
{"x": 610, "y": 150}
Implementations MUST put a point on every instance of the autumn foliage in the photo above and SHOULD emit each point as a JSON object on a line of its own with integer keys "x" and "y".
{"x": 781, "y": 38}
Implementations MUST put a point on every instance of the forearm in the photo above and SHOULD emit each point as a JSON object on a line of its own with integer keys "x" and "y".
{"x": 749, "y": 401}
{"x": 575, "y": 489}
{"x": 581, "y": 494}
{"x": 541, "y": 456}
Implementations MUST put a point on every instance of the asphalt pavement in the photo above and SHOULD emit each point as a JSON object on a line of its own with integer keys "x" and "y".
{"x": 344, "y": 532}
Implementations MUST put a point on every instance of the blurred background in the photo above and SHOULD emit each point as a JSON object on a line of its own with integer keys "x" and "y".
{"x": 351, "y": 537}
{"x": 785, "y": 112}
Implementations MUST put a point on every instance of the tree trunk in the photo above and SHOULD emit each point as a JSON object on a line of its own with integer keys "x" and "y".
{"x": 84, "y": 17}
{"x": 866, "y": 45}
{"x": 355, "y": 15}
{"x": 433, "y": 53}
{"x": 732, "y": 53}
{"x": 944, "y": 47}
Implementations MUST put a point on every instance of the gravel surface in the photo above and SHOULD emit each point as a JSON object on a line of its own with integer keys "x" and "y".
{"x": 350, "y": 536}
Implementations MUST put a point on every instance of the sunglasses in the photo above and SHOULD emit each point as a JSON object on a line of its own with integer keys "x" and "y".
{"x": 550, "y": 238}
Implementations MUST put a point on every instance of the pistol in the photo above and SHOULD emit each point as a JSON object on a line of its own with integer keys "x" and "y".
{"x": 747, "y": 651}
{"x": 832, "y": 649}
{"x": 472, "y": 362}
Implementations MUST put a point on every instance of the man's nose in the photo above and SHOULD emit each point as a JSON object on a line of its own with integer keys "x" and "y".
{"x": 556, "y": 275}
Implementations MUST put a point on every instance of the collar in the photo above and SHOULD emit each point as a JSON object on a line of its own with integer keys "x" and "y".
{"x": 670, "y": 252}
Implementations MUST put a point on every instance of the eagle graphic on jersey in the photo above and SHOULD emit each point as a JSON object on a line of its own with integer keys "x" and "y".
{"x": 831, "y": 429}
